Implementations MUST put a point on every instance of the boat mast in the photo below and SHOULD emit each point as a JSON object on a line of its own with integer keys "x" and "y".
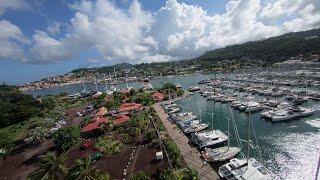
{"x": 106, "y": 82}
{"x": 248, "y": 143}
{"x": 95, "y": 82}
{"x": 115, "y": 75}
{"x": 83, "y": 86}
{"x": 212, "y": 116}
{"x": 200, "y": 116}
{"x": 127, "y": 80}
{"x": 228, "y": 132}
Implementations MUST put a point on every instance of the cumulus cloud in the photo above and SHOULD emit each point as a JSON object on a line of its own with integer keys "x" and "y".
{"x": 12, "y": 4}
{"x": 11, "y": 38}
{"x": 175, "y": 31}
{"x": 54, "y": 28}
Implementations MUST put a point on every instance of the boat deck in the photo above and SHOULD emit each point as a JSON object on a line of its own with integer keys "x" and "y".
{"x": 190, "y": 154}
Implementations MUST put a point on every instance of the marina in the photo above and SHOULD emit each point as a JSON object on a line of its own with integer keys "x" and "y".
{"x": 291, "y": 142}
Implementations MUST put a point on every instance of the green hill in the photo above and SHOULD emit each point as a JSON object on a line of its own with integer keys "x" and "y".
{"x": 271, "y": 49}
{"x": 104, "y": 69}
{"x": 268, "y": 51}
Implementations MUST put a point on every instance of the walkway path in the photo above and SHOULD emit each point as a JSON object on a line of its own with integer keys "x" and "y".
{"x": 190, "y": 154}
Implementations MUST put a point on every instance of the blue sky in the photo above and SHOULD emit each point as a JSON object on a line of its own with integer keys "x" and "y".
{"x": 46, "y": 38}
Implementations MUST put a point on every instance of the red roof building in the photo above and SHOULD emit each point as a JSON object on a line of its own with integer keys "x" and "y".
{"x": 94, "y": 124}
{"x": 129, "y": 107}
{"x": 157, "y": 96}
{"x": 120, "y": 119}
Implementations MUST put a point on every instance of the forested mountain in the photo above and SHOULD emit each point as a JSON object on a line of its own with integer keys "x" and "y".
{"x": 267, "y": 51}
{"x": 271, "y": 49}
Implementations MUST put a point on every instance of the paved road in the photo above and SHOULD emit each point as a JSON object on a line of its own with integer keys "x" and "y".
{"x": 190, "y": 154}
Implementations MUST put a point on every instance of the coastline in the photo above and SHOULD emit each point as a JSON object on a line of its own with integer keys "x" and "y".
{"x": 190, "y": 154}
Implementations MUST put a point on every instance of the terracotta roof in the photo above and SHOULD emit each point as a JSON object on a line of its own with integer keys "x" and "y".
{"x": 94, "y": 124}
{"x": 129, "y": 107}
{"x": 121, "y": 118}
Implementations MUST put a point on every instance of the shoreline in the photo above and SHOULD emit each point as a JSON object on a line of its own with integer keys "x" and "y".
{"x": 190, "y": 154}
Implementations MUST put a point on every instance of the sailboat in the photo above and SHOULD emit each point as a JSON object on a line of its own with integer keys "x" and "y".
{"x": 108, "y": 92}
{"x": 245, "y": 169}
{"x": 112, "y": 88}
{"x": 127, "y": 88}
{"x": 97, "y": 92}
{"x": 195, "y": 127}
{"x": 211, "y": 138}
{"x": 84, "y": 92}
{"x": 223, "y": 153}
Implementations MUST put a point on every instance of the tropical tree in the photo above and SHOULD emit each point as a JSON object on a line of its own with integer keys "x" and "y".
{"x": 65, "y": 137}
{"x": 107, "y": 127}
{"x": 83, "y": 170}
{"x": 51, "y": 167}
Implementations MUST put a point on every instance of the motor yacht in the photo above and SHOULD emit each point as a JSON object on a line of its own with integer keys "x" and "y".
{"x": 243, "y": 169}
{"x": 195, "y": 128}
{"x": 209, "y": 138}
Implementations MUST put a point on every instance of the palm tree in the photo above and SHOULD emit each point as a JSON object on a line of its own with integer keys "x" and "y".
{"x": 51, "y": 167}
{"x": 83, "y": 170}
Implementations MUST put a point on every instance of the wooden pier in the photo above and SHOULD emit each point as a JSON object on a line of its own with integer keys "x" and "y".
{"x": 190, "y": 154}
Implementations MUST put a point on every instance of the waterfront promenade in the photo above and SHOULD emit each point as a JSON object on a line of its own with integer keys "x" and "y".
{"x": 190, "y": 154}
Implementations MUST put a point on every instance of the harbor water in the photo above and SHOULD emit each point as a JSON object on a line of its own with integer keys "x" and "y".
{"x": 289, "y": 149}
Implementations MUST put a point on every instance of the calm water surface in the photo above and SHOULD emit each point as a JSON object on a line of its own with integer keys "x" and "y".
{"x": 289, "y": 149}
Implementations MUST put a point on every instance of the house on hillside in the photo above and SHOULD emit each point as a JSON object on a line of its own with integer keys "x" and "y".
{"x": 94, "y": 124}
{"x": 121, "y": 119}
{"x": 128, "y": 107}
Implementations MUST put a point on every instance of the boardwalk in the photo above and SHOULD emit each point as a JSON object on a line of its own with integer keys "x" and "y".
{"x": 190, "y": 155}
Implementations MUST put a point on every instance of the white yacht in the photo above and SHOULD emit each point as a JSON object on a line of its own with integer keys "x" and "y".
{"x": 287, "y": 114}
{"x": 253, "y": 107}
{"x": 194, "y": 88}
{"x": 220, "y": 154}
{"x": 173, "y": 110}
{"x": 223, "y": 153}
{"x": 185, "y": 124}
{"x": 209, "y": 138}
{"x": 195, "y": 128}
{"x": 243, "y": 169}
{"x": 146, "y": 86}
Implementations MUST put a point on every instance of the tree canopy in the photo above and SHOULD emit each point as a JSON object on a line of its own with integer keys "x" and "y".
{"x": 15, "y": 106}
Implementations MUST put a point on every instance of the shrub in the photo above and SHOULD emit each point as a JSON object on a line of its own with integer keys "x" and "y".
{"x": 108, "y": 145}
{"x": 37, "y": 135}
{"x": 150, "y": 135}
{"x": 65, "y": 137}
{"x": 5, "y": 140}
{"x": 174, "y": 152}
{"x": 140, "y": 176}
{"x": 185, "y": 174}
{"x": 155, "y": 142}
{"x": 126, "y": 138}
{"x": 136, "y": 131}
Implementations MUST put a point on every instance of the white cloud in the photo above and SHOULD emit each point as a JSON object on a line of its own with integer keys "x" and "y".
{"x": 282, "y": 8}
{"x": 54, "y": 28}
{"x": 11, "y": 38}
{"x": 175, "y": 31}
{"x": 308, "y": 19}
{"x": 12, "y": 4}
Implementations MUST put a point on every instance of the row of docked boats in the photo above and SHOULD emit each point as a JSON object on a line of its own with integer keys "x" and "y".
{"x": 275, "y": 110}
{"x": 214, "y": 145}
{"x": 208, "y": 141}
